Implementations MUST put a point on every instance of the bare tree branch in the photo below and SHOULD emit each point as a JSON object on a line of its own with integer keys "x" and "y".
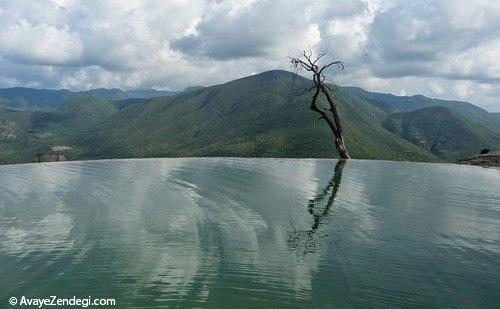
{"x": 339, "y": 64}
{"x": 309, "y": 62}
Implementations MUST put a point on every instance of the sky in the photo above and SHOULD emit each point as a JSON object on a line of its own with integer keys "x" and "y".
{"x": 447, "y": 49}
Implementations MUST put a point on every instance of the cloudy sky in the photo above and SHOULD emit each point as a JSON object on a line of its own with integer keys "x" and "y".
{"x": 443, "y": 48}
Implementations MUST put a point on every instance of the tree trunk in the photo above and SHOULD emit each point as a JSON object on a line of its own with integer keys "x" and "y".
{"x": 339, "y": 144}
{"x": 330, "y": 115}
{"x": 337, "y": 131}
{"x": 337, "y": 135}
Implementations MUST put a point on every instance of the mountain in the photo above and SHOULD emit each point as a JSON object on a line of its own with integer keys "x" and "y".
{"x": 15, "y": 144}
{"x": 442, "y": 132}
{"x": 121, "y": 104}
{"x": 264, "y": 115}
{"x": 25, "y": 134}
{"x": 260, "y": 115}
{"x": 37, "y": 99}
{"x": 151, "y": 93}
{"x": 82, "y": 113}
{"x": 193, "y": 88}
{"x": 393, "y": 104}
{"x": 104, "y": 93}
{"x": 12, "y": 124}
{"x": 43, "y": 99}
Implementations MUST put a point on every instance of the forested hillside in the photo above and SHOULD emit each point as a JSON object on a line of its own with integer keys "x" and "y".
{"x": 264, "y": 115}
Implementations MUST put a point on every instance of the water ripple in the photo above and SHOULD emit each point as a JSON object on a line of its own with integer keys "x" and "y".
{"x": 252, "y": 233}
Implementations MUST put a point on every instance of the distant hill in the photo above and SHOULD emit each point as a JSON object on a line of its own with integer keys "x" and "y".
{"x": 151, "y": 93}
{"x": 82, "y": 113}
{"x": 77, "y": 114}
{"x": 264, "y": 115}
{"x": 443, "y": 132}
{"x": 121, "y": 104}
{"x": 12, "y": 124}
{"x": 28, "y": 98}
{"x": 43, "y": 99}
{"x": 394, "y": 104}
{"x": 260, "y": 115}
{"x": 29, "y": 133}
{"x": 16, "y": 145}
{"x": 103, "y": 93}
{"x": 192, "y": 88}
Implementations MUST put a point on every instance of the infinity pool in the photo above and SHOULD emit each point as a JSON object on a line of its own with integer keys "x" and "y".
{"x": 227, "y": 233}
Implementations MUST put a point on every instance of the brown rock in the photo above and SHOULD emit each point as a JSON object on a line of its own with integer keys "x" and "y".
{"x": 488, "y": 159}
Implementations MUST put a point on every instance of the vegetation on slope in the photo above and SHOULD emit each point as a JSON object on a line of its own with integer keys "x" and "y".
{"x": 15, "y": 142}
{"x": 265, "y": 115}
{"x": 442, "y": 132}
{"x": 395, "y": 104}
{"x": 29, "y": 99}
{"x": 27, "y": 134}
{"x": 261, "y": 115}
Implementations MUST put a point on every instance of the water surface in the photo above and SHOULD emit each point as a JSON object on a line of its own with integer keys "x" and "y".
{"x": 252, "y": 233}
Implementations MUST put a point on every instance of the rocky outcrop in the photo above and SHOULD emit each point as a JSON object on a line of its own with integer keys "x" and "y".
{"x": 487, "y": 159}
{"x": 56, "y": 155}
{"x": 51, "y": 157}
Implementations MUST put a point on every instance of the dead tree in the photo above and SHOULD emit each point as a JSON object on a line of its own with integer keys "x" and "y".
{"x": 330, "y": 113}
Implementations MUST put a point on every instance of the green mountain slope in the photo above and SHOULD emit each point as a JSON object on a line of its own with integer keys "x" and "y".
{"x": 30, "y": 99}
{"x": 25, "y": 134}
{"x": 81, "y": 113}
{"x": 394, "y": 104}
{"x": 260, "y": 115}
{"x": 16, "y": 145}
{"x": 12, "y": 124}
{"x": 33, "y": 99}
{"x": 78, "y": 114}
{"x": 150, "y": 93}
{"x": 265, "y": 115}
{"x": 442, "y": 132}
{"x": 121, "y": 104}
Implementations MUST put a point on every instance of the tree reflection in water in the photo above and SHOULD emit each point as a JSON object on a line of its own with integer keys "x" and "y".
{"x": 319, "y": 208}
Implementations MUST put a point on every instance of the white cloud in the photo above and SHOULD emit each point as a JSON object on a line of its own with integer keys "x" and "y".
{"x": 463, "y": 89}
{"x": 436, "y": 88}
{"x": 42, "y": 44}
{"x": 446, "y": 48}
